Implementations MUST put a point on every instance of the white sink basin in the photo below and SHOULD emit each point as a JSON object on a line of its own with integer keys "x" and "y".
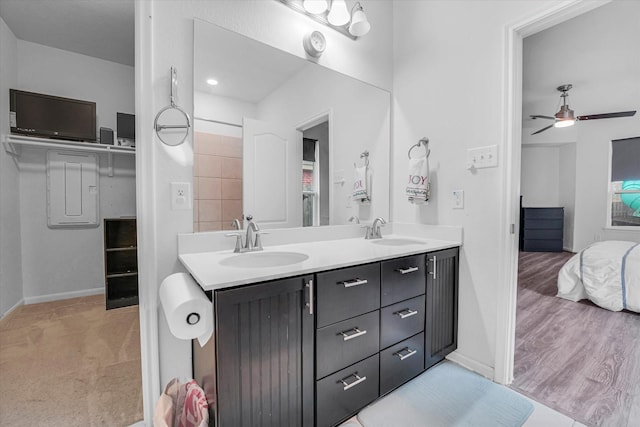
{"x": 397, "y": 241}
{"x": 264, "y": 259}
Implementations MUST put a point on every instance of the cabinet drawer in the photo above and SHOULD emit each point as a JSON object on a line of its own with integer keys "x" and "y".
{"x": 401, "y": 320}
{"x": 342, "y": 394}
{"x": 544, "y": 224}
{"x": 347, "y": 293}
{"x": 555, "y": 234}
{"x": 344, "y": 343}
{"x": 543, "y": 213}
{"x": 401, "y": 362}
{"x": 403, "y": 278}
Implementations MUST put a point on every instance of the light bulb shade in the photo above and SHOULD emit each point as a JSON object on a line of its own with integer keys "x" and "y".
{"x": 359, "y": 25}
{"x": 338, "y": 15}
{"x": 315, "y": 6}
{"x": 564, "y": 123}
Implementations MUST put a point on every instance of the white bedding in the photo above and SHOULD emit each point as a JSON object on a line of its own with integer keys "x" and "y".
{"x": 607, "y": 273}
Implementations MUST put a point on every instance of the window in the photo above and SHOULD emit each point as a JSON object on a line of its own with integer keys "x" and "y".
{"x": 624, "y": 184}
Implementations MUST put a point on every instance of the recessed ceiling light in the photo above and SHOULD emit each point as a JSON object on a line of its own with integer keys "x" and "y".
{"x": 212, "y": 82}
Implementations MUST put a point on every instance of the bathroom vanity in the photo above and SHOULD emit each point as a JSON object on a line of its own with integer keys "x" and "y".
{"x": 312, "y": 342}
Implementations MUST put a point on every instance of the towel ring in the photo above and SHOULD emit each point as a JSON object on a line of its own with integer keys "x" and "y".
{"x": 424, "y": 141}
{"x": 175, "y": 137}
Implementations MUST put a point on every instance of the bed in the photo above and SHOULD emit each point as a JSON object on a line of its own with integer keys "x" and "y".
{"x": 607, "y": 273}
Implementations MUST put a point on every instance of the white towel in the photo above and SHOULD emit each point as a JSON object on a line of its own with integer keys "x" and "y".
{"x": 418, "y": 188}
{"x": 361, "y": 186}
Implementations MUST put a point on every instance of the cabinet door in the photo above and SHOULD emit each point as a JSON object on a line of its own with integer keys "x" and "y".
{"x": 441, "y": 328}
{"x": 265, "y": 352}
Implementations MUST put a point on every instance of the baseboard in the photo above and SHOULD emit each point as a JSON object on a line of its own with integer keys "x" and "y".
{"x": 466, "y": 362}
{"x": 16, "y": 305}
{"x": 64, "y": 295}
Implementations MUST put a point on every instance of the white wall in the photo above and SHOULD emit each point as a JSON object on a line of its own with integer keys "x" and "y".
{"x": 69, "y": 261}
{"x": 10, "y": 244}
{"x": 448, "y": 85}
{"x": 540, "y": 176}
{"x": 604, "y": 72}
{"x": 171, "y": 44}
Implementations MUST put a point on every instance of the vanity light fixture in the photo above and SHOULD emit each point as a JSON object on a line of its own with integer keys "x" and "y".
{"x": 212, "y": 82}
{"x": 334, "y": 14}
{"x": 315, "y": 6}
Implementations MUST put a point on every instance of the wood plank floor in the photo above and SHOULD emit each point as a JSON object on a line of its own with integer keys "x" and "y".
{"x": 576, "y": 358}
{"x": 70, "y": 363}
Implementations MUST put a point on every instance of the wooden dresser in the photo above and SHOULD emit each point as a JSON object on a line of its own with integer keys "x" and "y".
{"x": 541, "y": 229}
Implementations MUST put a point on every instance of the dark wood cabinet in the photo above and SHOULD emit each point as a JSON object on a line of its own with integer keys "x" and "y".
{"x": 441, "y": 328}
{"x": 120, "y": 262}
{"x": 264, "y": 349}
{"x": 278, "y": 359}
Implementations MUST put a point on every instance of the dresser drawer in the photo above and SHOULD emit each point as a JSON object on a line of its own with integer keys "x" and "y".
{"x": 401, "y": 362}
{"x": 403, "y": 278}
{"x": 344, "y": 343}
{"x": 342, "y": 394}
{"x": 537, "y": 224}
{"x": 401, "y": 320}
{"x": 543, "y": 213}
{"x": 539, "y": 234}
{"x": 347, "y": 293}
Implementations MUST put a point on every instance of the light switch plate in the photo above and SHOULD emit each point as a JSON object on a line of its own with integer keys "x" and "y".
{"x": 458, "y": 199}
{"x": 180, "y": 196}
{"x": 482, "y": 157}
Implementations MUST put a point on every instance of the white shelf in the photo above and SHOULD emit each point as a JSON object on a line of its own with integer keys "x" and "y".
{"x": 13, "y": 143}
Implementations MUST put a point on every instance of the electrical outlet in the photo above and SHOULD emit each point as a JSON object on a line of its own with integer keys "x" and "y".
{"x": 458, "y": 199}
{"x": 482, "y": 157}
{"x": 180, "y": 196}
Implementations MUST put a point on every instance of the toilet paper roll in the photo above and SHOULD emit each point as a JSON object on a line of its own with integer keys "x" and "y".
{"x": 188, "y": 311}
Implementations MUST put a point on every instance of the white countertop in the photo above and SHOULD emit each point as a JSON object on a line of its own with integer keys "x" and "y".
{"x": 323, "y": 255}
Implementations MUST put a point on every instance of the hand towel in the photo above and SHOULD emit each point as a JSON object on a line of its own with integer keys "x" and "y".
{"x": 360, "y": 185}
{"x": 195, "y": 412}
{"x": 418, "y": 188}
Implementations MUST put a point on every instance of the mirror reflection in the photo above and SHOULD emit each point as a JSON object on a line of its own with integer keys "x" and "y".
{"x": 282, "y": 139}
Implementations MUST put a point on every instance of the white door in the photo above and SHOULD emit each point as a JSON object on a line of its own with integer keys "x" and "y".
{"x": 272, "y": 175}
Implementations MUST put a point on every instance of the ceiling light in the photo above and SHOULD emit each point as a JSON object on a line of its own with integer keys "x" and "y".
{"x": 212, "y": 82}
{"x": 359, "y": 25}
{"x": 338, "y": 14}
{"x": 315, "y": 6}
{"x": 564, "y": 117}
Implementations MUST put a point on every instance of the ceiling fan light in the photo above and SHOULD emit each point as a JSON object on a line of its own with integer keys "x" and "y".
{"x": 315, "y": 6}
{"x": 564, "y": 123}
{"x": 359, "y": 24}
{"x": 338, "y": 15}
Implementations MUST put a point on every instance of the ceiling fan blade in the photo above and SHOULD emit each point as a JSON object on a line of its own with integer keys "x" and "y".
{"x": 538, "y": 116}
{"x": 607, "y": 115}
{"x": 542, "y": 130}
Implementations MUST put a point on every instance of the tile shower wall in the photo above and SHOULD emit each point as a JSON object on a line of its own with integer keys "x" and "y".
{"x": 217, "y": 181}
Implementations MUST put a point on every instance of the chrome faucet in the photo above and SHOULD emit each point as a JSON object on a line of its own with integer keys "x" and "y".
{"x": 252, "y": 228}
{"x": 373, "y": 232}
{"x": 355, "y": 218}
{"x": 252, "y": 241}
{"x": 236, "y": 224}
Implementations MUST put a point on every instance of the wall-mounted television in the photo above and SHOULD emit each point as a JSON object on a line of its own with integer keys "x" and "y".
{"x": 48, "y": 116}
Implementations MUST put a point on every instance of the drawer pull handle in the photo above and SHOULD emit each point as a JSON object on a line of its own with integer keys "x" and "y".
{"x": 355, "y": 333}
{"x": 407, "y": 270}
{"x": 407, "y": 312}
{"x": 309, "y": 303}
{"x": 406, "y": 355}
{"x": 347, "y": 385}
{"x": 353, "y": 282}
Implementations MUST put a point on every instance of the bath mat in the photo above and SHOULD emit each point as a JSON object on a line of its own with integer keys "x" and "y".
{"x": 448, "y": 395}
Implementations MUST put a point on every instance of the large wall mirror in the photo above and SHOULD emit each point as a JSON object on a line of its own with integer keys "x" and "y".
{"x": 281, "y": 138}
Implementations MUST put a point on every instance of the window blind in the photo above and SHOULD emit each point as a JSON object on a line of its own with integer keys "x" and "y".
{"x": 625, "y": 159}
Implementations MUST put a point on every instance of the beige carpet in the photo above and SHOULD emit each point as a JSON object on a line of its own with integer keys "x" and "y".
{"x": 70, "y": 363}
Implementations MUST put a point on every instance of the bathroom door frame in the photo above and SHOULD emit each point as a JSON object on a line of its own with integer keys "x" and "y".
{"x": 510, "y": 181}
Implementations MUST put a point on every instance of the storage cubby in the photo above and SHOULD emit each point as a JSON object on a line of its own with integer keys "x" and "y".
{"x": 120, "y": 262}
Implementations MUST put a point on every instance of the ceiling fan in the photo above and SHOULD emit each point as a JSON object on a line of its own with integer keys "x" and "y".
{"x": 565, "y": 117}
